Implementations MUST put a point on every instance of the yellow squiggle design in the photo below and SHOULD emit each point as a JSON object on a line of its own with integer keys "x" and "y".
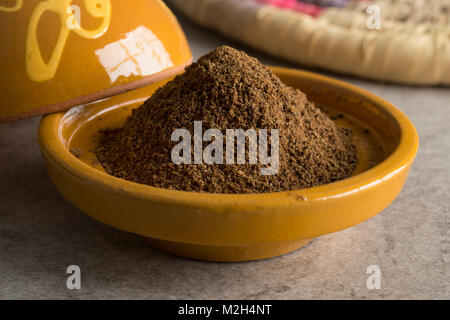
{"x": 17, "y": 7}
{"x": 37, "y": 69}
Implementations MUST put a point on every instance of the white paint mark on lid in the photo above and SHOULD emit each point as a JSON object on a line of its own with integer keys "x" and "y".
{"x": 141, "y": 53}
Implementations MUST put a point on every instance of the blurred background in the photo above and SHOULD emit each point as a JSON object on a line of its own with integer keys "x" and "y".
{"x": 41, "y": 233}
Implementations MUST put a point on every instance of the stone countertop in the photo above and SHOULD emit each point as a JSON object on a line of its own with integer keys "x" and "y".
{"x": 41, "y": 234}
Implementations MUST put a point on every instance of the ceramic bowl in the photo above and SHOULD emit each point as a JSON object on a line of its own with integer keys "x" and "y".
{"x": 239, "y": 227}
{"x": 56, "y": 54}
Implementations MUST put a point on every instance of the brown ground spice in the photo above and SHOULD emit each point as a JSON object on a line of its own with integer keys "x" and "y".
{"x": 228, "y": 89}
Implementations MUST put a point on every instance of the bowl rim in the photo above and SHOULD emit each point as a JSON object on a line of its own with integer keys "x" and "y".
{"x": 403, "y": 155}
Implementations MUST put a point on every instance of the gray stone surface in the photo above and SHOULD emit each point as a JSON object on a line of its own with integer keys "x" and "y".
{"x": 41, "y": 234}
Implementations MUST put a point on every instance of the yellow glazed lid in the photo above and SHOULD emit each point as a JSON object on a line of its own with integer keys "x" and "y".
{"x": 56, "y": 54}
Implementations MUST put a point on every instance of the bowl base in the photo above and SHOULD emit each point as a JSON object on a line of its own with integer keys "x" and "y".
{"x": 219, "y": 253}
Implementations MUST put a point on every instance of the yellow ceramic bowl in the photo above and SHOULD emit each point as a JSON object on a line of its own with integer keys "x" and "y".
{"x": 226, "y": 227}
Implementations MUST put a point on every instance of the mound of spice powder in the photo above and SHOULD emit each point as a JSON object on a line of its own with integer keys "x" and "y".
{"x": 227, "y": 89}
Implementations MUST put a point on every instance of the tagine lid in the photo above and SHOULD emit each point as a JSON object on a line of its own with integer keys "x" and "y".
{"x": 57, "y": 54}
